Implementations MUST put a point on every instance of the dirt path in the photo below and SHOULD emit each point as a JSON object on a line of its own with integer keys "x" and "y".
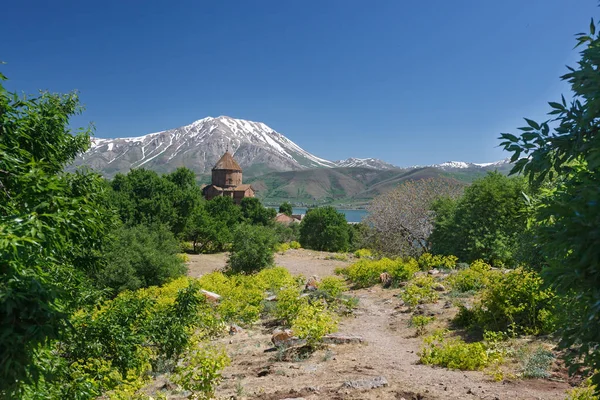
{"x": 390, "y": 351}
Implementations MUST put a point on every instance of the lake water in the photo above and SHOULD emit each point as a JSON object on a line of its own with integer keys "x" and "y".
{"x": 351, "y": 215}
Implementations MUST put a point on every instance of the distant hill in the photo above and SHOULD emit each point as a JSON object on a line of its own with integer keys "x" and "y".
{"x": 350, "y": 186}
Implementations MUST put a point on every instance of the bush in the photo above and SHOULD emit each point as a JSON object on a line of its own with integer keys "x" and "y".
{"x": 312, "y": 322}
{"x": 252, "y": 249}
{"x": 324, "y": 229}
{"x": 363, "y": 253}
{"x": 333, "y": 286}
{"x": 476, "y": 277}
{"x": 420, "y": 322}
{"x": 456, "y": 354}
{"x": 295, "y": 245}
{"x": 140, "y": 257}
{"x": 200, "y": 371}
{"x": 537, "y": 363}
{"x": 587, "y": 391}
{"x": 515, "y": 302}
{"x": 365, "y": 273}
{"x": 428, "y": 261}
{"x": 420, "y": 290}
{"x": 288, "y": 305}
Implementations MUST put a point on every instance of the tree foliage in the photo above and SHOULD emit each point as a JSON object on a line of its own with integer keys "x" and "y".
{"x": 286, "y": 208}
{"x": 252, "y": 249}
{"x": 145, "y": 197}
{"x": 52, "y": 226}
{"x": 139, "y": 257}
{"x": 324, "y": 229}
{"x": 487, "y": 222}
{"x": 401, "y": 219}
{"x": 253, "y": 212}
{"x": 568, "y": 147}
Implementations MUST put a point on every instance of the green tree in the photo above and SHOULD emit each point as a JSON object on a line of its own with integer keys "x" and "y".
{"x": 145, "y": 197}
{"x": 567, "y": 147}
{"x": 254, "y": 212}
{"x": 286, "y": 208}
{"x": 140, "y": 256}
{"x": 52, "y": 226}
{"x": 207, "y": 233}
{"x": 252, "y": 249}
{"x": 487, "y": 222}
{"x": 324, "y": 229}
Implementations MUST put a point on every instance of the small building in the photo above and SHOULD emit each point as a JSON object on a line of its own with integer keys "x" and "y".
{"x": 227, "y": 181}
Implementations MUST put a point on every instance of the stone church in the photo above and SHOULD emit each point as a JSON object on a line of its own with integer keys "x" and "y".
{"x": 227, "y": 181}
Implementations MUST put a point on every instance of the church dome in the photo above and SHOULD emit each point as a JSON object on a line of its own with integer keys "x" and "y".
{"x": 228, "y": 163}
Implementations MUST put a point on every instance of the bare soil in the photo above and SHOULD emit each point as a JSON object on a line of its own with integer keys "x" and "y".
{"x": 300, "y": 261}
{"x": 390, "y": 351}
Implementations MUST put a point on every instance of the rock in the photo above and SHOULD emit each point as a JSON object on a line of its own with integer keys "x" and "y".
{"x": 210, "y": 296}
{"x": 340, "y": 338}
{"x": 312, "y": 284}
{"x": 433, "y": 271}
{"x": 282, "y": 337}
{"x": 271, "y": 298}
{"x": 294, "y": 398}
{"x": 366, "y": 384}
{"x": 385, "y": 279}
{"x": 235, "y": 329}
{"x": 438, "y": 287}
{"x": 448, "y": 304}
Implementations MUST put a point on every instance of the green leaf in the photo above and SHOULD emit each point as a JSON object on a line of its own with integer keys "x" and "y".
{"x": 592, "y": 27}
{"x": 532, "y": 123}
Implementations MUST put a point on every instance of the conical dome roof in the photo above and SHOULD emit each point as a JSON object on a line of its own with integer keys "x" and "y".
{"x": 227, "y": 162}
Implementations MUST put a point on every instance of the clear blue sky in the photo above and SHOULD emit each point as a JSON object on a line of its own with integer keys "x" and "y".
{"x": 410, "y": 82}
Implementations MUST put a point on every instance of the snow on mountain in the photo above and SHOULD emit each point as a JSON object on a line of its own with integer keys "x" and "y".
{"x": 364, "y": 163}
{"x": 454, "y": 165}
{"x": 198, "y": 146}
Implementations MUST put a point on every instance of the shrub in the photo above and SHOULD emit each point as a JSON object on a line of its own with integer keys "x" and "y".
{"x": 587, "y": 391}
{"x": 312, "y": 322}
{"x": 295, "y": 245}
{"x": 516, "y": 302}
{"x": 474, "y": 278}
{"x": 200, "y": 371}
{"x": 252, "y": 249}
{"x": 537, "y": 363}
{"x": 454, "y": 353}
{"x": 420, "y": 290}
{"x": 420, "y": 322}
{"x": 139, "y": 257}
{"x": 275, "y": 279}
{"x": 363, "y": 253}
{"x": 282, "y": 248}
{"x": 428, "y": 261}
{"x": 365, "y": 273}
{"x": 241, "y": 296}
{"x": 333, "y": 286}
{"x": 324, "y": 229}
{"x": 289, "y": 303}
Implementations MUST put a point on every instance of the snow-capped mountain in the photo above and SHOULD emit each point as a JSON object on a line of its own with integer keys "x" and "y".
{"x": 364, "y": 163}
{"x": 257, "y": 148}
{"x": 458, "y": 165}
